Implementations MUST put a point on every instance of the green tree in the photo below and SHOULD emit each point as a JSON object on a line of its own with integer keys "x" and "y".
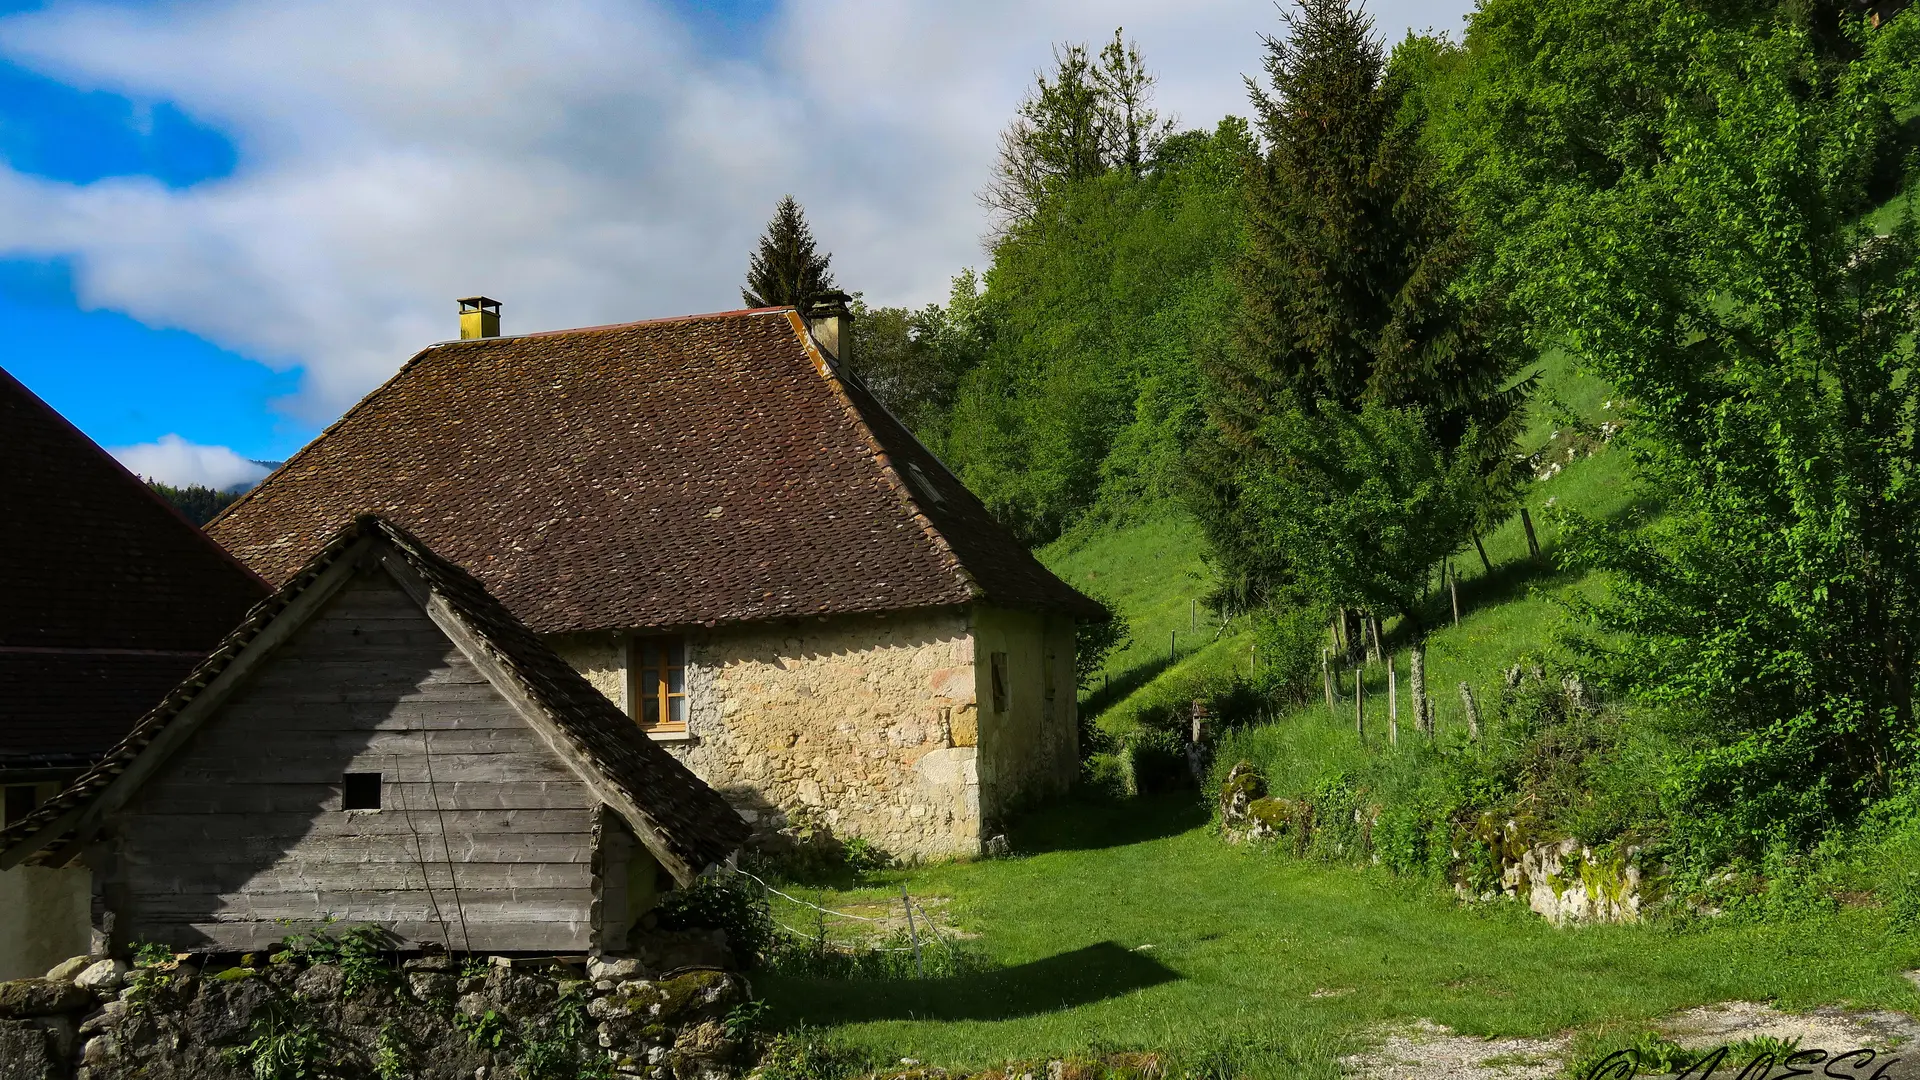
{"x": 1090, "y": 326}
{"x": 788, "y": 269}
{"x": 1096, "y": 114}
{"x": 1353, "y": 324}
{"x": 1710, "y": 259}
{"x": 913, "y": 361}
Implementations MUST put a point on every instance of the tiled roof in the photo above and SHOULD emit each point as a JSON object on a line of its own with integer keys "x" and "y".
{"x": 107, "y": 596}
{"x": 690, "y": 817}
{"x": 678, "y": 472}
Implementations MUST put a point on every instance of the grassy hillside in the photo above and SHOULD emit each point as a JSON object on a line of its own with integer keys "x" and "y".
{"x": 1156, "y": 574}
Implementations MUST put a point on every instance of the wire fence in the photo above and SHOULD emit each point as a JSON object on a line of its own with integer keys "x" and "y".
{"x": 908, "y": 905}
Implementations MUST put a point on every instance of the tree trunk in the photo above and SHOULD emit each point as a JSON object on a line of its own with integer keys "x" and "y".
{"x": 1417, "y": 685}
{"x": 1473, "y": 713}
{"x": 1482, "y": 549}
{"x": 1379, "y": 644}
{"x": 1533, "y": 545}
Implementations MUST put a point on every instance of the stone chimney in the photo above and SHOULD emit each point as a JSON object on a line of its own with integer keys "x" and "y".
{"x": 830, "y": 322}
{"x": 479, "y": 317}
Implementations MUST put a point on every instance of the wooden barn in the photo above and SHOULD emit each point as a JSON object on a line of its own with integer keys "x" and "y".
{"x": 381, "y": 742}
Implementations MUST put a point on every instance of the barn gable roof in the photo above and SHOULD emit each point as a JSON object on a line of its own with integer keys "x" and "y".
{"x": 685, "y": 823}
{"x": 670, "y": 473}
{"x": 109, "y": 594}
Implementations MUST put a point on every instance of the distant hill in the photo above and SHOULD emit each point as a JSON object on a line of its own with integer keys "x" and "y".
{"x": 198, "y": 503}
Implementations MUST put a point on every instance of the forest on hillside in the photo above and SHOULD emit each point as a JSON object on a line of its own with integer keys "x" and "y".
{"x": 1318, "y": 331}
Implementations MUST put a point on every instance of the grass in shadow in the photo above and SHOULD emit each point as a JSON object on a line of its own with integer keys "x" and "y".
{"x": 1066, "y": 980}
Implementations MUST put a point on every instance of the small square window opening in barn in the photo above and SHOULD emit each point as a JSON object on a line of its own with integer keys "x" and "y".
{"x": 1048, "y": 678}
{"x": 360, "y": 791}
{"x": 998, "y": 662}
{"x": 659, "y": 693}
{"x": 19, "y": 804}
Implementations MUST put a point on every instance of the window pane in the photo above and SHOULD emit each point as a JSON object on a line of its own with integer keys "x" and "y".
{"x": 650, "y": 712}
{"x": 677, "y": 709}
{"x": 649, "y": 652}
{"x": 676, "y": 651}
{"x": 650, "y": 684}
{"x": 676, "y": 680}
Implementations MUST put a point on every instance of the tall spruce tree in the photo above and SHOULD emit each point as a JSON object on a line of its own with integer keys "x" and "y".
{"x": 789, "y": 268}
{"x": 1350, "y": 314}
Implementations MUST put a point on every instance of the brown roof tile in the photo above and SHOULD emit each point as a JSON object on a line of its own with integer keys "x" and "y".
{"x": 107, "y": 595}
{"x": 668, "y": 473}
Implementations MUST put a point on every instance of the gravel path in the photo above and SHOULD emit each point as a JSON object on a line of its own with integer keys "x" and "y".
{"x": 1427, "y": 1051}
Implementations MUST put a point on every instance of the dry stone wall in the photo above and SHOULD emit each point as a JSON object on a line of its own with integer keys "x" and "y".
{"x": 431, "y": 1018}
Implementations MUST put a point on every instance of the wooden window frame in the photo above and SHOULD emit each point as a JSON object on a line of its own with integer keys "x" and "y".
{"x": 668, "y": 647}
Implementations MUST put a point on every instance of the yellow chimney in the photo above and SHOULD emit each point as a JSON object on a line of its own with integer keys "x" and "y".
{"x": 479, "y": 317}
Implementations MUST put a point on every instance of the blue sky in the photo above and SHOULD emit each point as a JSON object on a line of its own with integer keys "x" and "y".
{"x": 222, "y": 222}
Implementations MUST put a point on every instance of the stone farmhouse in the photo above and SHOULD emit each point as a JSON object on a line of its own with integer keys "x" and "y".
{"x": 107, "y": 598}
{"x": 715, "y": 522}
{"x": 382, "y": 742}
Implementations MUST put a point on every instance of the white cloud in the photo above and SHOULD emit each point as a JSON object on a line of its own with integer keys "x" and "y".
{"x": 173, "y": 460}
{"x": 582, "y": 160}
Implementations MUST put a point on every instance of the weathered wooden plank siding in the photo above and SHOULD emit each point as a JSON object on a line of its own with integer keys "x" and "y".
{"x": 243, "y": 834}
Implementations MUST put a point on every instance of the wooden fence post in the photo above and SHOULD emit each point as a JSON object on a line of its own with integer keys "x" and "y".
{"x": 1326, "y": 673}
{"x": 912, "y": 933}
{"x": 1360, "y": 704}
{"x": 1533, "y": 544}
{"x": 1453, "y": 586}
{"x": 1393, "y": 706}
{"x": 1473, "y": 713}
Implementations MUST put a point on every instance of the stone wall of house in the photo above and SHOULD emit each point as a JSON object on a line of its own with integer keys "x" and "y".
{"x": 1028, "y": 752}
{"x": 861, "y": 719}
{"x": 46, "y": 915}
{"x": 874, "y": 723}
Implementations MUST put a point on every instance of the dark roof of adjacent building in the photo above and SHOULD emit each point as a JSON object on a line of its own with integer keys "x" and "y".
{"x": 678, "y": 472}
{"x": 107, "y": 594}
{"x": 678, "y": 810}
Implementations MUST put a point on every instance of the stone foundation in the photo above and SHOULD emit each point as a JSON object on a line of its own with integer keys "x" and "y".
{"x": 431, "y": 1018}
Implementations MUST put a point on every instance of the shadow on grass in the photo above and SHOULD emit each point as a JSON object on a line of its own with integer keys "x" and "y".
{"x": 1513, "y": 579}
{"x": 1120, "y": 687}
{"x": 1081, "y": 977}
{"x": 1090, "y": 822}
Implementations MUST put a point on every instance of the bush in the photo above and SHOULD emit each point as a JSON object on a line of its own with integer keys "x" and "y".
{"x": 730, "y": 903}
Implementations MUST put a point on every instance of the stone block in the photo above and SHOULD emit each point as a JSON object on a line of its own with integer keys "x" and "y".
{"x": 25, "y": 998}
{"x": 65, "y": 970}
{"x": 25, "y": 1053}
{"x": 104, "y": 978}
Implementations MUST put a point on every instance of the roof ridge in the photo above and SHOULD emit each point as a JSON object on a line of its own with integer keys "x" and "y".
{"x": 736, "y": 313}
{"x": 145, "y": 488}
{"x": 387, "y": 383}
{"x": 884, "y": 460}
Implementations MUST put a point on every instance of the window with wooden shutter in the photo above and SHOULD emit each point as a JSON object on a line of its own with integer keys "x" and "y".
{"x": 659, "y": 694}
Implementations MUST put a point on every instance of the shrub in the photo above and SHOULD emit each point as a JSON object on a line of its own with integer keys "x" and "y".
{"x": 730, "y": 903}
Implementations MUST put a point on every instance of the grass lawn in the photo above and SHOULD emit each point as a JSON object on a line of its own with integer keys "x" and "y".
{"x": 1128, "y": 925}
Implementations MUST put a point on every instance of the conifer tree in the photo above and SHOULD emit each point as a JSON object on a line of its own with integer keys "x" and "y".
{"x": 1349, "y": 307}
{"x": 788, "y": 268}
